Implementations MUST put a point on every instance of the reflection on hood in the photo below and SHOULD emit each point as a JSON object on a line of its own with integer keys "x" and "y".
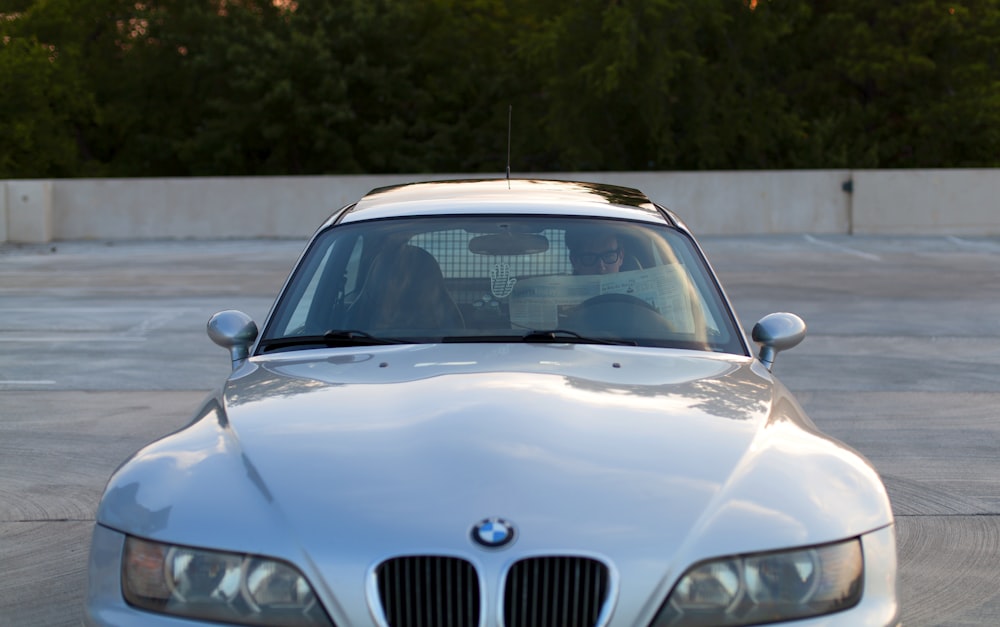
{"x": 720, "y": 386}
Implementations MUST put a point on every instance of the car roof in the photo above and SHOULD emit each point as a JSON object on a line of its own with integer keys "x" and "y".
{"x": 502, "y": 196}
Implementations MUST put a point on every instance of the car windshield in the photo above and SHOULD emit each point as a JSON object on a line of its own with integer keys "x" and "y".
{"x": 502, "y": 279}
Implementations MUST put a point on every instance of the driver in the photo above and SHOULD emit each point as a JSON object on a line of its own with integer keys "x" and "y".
{"x": 594, "y": 252}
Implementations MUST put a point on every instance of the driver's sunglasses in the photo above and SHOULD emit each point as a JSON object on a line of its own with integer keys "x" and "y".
{"x": 609, "y": 257}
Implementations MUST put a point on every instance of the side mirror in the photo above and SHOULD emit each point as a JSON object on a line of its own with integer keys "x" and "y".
{"x": 777, "y": 332}
{"x": 235, "y": 331}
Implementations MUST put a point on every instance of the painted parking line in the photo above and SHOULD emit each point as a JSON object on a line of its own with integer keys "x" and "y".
{"x": 88, "y": 310}
{"x": 36, "y": 382}
{"x": 82, "y": 336}
{"x": 135, "y": 328}
{"x": 843, "y": 249}
{"x": 987, "y": 246}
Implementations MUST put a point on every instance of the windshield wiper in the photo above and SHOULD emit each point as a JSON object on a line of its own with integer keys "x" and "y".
{"x": 330, "y": 339}
{"x": 566, "y": 336}
{"x": 361, "y": 337}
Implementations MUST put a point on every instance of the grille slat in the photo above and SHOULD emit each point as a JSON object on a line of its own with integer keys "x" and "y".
{"x": 555, "y": 592}
{"x": 428, "y": 591}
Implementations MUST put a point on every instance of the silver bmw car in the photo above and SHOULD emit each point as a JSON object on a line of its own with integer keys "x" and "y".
{"x": 515, "y": 403}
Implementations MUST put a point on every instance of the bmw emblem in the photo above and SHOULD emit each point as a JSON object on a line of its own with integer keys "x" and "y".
{"x": 493, "y": 533}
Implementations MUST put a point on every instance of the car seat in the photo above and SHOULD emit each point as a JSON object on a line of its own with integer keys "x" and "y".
{"x": 630, "y": 262}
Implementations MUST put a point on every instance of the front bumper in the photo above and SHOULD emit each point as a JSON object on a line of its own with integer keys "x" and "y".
{"x": 105, "y": 605}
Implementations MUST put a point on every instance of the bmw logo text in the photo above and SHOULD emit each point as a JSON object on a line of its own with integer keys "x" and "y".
{"x": 493, "y": 533}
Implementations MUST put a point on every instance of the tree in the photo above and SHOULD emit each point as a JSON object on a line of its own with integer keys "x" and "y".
{"x": 909, "y": 84}
{"x": 43, "y": 101}
{"x": 658, "y": 84}
{"x": 227, "y": 87}
{"x": 333, "y": 86}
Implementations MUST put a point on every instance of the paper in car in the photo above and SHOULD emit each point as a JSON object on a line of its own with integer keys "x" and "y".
{"x": 543, "y": 302}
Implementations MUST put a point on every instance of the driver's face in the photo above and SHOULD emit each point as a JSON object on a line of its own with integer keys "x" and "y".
{"x": 598, "y": 255}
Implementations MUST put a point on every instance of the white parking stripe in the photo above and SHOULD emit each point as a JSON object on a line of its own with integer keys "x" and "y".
{"x": 40, "y": 382}
{"x": 844, "y": 249}
{"x": 84, "y": 310}
{"x": 82, "y": 336}
{"x": 31, "y": 318}
{"x": 984, "y": 246}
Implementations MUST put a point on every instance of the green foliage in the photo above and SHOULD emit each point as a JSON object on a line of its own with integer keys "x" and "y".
{"x": 244, "y": 87}
{"x": 912, "y": 83}
{"x": 42, "y": 101}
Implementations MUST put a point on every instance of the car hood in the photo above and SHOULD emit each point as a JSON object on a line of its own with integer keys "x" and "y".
{"x": 655, "y": 456}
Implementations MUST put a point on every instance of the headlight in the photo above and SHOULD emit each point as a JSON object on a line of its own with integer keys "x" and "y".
{"x": 766, "y": 587}
{"x": 212, "y": 585}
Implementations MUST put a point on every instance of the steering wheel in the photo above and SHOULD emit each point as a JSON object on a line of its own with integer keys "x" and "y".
{"x": 620, "y": 315}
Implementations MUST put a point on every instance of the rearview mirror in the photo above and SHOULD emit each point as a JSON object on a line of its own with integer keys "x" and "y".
{"x": 508, "y": 243}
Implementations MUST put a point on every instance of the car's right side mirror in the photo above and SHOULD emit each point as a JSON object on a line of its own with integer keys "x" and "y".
{"x": 777, "y": 332}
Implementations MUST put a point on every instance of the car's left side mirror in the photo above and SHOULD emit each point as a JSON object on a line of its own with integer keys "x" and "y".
{"x": 777, "y": 332}
{"x": 234, "y": 331}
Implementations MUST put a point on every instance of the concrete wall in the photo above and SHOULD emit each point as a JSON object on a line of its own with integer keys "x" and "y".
{"x": 903, "y": 202}
{"x": 746, "y": 202}
{"x": 927, "y": 202}
{"x": 26, "y": 211}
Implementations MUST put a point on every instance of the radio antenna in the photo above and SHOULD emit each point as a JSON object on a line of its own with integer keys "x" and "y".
{"x": 510, "y": 113}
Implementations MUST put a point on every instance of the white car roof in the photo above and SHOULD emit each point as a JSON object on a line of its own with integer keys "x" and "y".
{"x": 500, "y": 196}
